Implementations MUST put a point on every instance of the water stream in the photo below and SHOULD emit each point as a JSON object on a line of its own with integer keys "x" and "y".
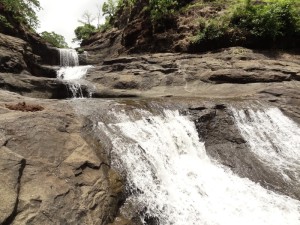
{"x": 171, "y": 179}
{"x": 72, "y": 72}
{"x": 273, "y": 137}
{"x": 68, "y": 57}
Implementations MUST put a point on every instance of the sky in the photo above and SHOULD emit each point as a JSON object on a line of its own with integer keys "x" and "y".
{"x": 61, "y": 16}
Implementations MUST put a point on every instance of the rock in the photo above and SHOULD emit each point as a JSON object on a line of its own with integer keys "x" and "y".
{"x": 224, "y": 143}
{"x": 106, "y": 45}
{"x": 31, "y": 86}
{"x": 11, "y": 54}
{"x": 11, "y": 167}
{"x": 119, "y": 60}
{"x": 63, "y": 180}
{"x": 232, "y": 72}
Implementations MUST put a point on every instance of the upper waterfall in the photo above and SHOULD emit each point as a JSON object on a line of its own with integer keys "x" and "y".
{"x": 68, "y": 57}
{"x": 72, "y": 72}
{"x": 171, "y": 179}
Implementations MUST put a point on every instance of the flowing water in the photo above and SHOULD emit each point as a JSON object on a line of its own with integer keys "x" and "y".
{"x": 68, "y": 57}
{"x": 72, "y": 72}
{"x": 171, "y": 179}
{"x": 273, "y": 137}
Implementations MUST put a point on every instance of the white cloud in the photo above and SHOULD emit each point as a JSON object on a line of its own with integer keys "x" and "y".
{"x": 61, "y": 16}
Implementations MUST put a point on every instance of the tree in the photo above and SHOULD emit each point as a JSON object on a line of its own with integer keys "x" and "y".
{"x": 84, "y": 32}
{"x": 109, "y": 8}
{"x": 99, "y": 15}
{"x": 24, "y": 11}
{"x": 87, "y": 18}
{"x": 55, "y": 39}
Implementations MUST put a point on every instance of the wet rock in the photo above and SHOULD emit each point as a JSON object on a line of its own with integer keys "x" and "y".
{"x": 225, "y": 144}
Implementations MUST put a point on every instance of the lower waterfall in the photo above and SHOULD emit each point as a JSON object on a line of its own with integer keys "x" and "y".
{"x": 172, "y": 181}
{"x": 273, "y": 137}
{"x": 73, "y": 75}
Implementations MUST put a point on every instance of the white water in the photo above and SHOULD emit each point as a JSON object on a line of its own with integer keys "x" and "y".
{"x": 171, "y": 176}
{"x": 68, "y": 57}
{"x": 273, "y": 137}
{"x": 71, "y": 71}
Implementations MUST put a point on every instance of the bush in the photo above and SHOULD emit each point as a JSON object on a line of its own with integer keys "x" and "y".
{"x": 5, "y": 23}
{"x": 24, "y": 11}
{"x": 212, "y": 30}
{"x": 55, "y": 39}
{"x": 160, "y": 9}
{"x": 249, "y": 21}
{"x": 84, "y": 32}
{"x": 269, "y": 20}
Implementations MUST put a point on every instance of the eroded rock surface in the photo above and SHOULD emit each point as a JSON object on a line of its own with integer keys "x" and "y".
{"x": 229, "y": 73}
{"x": 49, "y": 173}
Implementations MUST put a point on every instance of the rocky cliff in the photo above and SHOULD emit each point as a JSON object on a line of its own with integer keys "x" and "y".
{"x": 196, "y": 26}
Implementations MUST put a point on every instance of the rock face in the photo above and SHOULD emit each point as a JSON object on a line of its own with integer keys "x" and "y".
{"x": 229, "y": 73}
{"x": 22, "y": 71}
{"x": 134, "y": 30}
{"x": 11, "y": 165}
{"x": 52, "y": 175}
{"x": 224, "y": 143}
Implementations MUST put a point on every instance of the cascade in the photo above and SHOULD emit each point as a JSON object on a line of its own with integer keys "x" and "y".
{"x": 68, "y": 57}
{"x": 72, "y": 72}
{"x": 273, "y": 137}
{"x": 171, "y": 179}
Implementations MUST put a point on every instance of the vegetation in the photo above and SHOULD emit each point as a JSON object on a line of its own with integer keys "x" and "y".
{"x": 24, "y": 11}
{"x": 5, "y": 23}
{"x": 268, "y": 20}
{"x": 84, "y": 32}
{"x": 161, "y": 9}
{"x": 225, "y": 22}
{"x": 55, "y": 39}
{"x": 109, "y": 8}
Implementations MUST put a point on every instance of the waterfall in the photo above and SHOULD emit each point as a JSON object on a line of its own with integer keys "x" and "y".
{"x": 72, "y": 72}
{"x": 172, "y": 181}
{"x": 273, "y": 137}
{"x": 68, "y": 57}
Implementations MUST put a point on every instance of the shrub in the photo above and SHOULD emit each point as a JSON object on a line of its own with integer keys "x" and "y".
{"x": 267, "y": 20}
{"x": 160, "y": 9}
{"x": 55, "y": 39}
{"x": 84, "y": 32}
{"x": 5, "y": 23}
{"x": 24, "y": 11}
{"x": 211, "y": 30}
